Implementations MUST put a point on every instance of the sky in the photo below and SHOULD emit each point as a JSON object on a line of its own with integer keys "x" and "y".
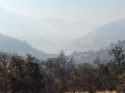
{"x": 94, "y": 12}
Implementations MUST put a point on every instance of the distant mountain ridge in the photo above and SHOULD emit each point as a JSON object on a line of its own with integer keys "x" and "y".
{"x": 102, "y": 37}
{"x": 94, "y": 44}
{"x": 15, "y": 46}
{"x": 42, "y": 33}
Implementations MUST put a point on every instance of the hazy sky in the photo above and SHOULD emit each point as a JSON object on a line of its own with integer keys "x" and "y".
{"x": 96, "y": 12}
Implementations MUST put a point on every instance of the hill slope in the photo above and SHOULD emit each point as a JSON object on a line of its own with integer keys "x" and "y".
{"x": 102, "y": 37}
{"x": 12, "y": 45}
{"x": 42, "y": 33}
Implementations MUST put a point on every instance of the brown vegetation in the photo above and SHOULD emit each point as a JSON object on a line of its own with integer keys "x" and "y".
{"x": 58, "y": 75}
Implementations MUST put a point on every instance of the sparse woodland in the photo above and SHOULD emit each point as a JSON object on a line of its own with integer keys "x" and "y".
{"x": 60, "y": 75}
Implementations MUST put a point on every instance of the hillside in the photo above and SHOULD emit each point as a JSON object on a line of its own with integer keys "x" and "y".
{"x": 15, "y": 46}
{"x": 42, "y": 33}
{"x": 101, "y": 37}
{"x": 88, "y": 47}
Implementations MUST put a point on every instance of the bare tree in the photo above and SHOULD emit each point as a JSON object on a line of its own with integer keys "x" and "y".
{"x": 118, "y": 53}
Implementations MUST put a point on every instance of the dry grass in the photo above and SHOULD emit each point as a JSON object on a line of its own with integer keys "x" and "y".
{"x": 107, "y": 92}
{"x": 96, "y": 92}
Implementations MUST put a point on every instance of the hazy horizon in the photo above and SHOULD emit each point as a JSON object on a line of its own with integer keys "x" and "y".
{"x": 58, "y": 23}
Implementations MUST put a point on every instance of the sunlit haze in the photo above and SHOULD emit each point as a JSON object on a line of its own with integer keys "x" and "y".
{"x": 55, "y": 24}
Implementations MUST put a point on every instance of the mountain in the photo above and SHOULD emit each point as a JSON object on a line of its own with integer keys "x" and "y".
{"x": 15, "y": 46}
{"x": 18, "y": 26}
{"x": 93, "y": 45}
{"x": 91, "y": 55}
{"x": 13, "y": 24}
{"x": 102, "y": 37}
{"x": 49, "y": 34}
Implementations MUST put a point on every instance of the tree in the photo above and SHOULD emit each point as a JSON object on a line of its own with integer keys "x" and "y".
{"x": 18, "y": 75}
{"x": 85, "y": 78}
{"x": 5, "y": 75}
{"x": 64, "y": 67}
{"x": 120, "y": 88}
{"x": 58, "y": 73}
{"x": 118, "y": 53}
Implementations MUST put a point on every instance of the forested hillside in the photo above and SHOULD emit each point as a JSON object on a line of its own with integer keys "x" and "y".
{"x": 59, "y": 75}
{"x": 90, "y": 55}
